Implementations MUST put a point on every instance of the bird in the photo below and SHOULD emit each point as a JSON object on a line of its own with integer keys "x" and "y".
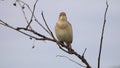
{"x": 63, "y": 30}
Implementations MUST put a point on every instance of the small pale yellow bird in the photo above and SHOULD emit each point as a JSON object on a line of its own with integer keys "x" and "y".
{"x": 63, "y": 30}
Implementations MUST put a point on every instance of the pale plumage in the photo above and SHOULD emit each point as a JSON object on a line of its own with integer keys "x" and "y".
{"x": 63, "y": 30}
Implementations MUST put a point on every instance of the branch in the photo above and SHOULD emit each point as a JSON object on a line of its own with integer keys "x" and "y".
{"x": 7, "y": 25}
{"x": 82, "y": 58}
{"x": 40, "y": 36}
{"x": 101, "y": 41}
{"x": 84, "y": 52}
{"x": 50, "y": 32}
{"x": 71, "y": 60}
{"x": 23, "y": 13}
{"x": 32, "y": 14}
{"x": 25, "y": 4}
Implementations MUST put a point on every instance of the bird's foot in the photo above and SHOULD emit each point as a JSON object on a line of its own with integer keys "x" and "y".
{"x": 70, "y": 51}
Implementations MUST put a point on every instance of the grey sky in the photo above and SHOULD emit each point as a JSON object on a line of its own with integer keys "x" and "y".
{"x": 86, "y": 17}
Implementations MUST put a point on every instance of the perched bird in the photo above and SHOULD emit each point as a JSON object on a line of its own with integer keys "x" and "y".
{"x": 63, "y": 30}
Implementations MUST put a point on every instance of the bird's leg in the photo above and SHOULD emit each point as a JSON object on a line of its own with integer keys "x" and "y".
{"x": 62, "y": 43}
{"x": 69, "y": 49}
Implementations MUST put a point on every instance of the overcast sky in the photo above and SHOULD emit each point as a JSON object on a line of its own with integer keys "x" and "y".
{"x": 86, "y": 17}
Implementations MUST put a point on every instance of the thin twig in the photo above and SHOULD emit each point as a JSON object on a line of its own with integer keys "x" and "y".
{"x": 24, "y": 14}
{"x": 50, "y": 32}
{"x": 47, "y": 25}
{"x": 35, "y": 17}
{"x": 71, "y": 60}
{"x": 32, "y": 14}
{"x": 81, "y": 58}
{"x": 101, "y": 41}
{"x": 41, "y": 25}
{"x": 84, "y": 52}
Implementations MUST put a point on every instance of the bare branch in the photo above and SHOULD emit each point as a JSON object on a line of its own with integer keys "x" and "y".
{"x": 41, "y": 37}
{"x": 47, "y": 26}
{"x": 101, "y": 41}
{"x": 35, "y": 17}
{"x": 84, "y": 52}
{"x": 81, "y": 58}
{"x": 9, "y": 26}
{"x": 42, "y": 26}
{"x": 62, "y": 46}
{"x": 32, "y": 14}
{"x": 71, "y": 60}
{"x": 24, "y": 14}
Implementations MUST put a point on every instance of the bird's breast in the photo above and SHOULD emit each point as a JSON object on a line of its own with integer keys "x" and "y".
{"x": 63, "y": 32}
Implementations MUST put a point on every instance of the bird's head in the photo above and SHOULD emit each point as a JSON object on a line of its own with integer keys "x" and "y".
{"x": 62, "y": 16}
